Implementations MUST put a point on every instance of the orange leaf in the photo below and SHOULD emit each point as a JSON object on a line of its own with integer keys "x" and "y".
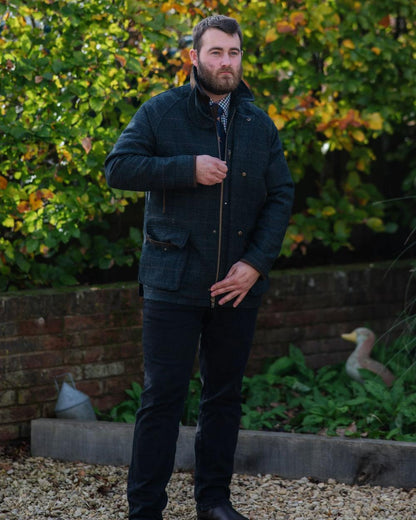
{"x": 167, "y": 6}
{"x": 285, "y": 27}
{"x": 47, "y": 194}
{"x": 23, "y": 206}
{"x": 3, "y": 183}
{"x": 298, "y": 238}
{"x": 349, "y": 44}
{"x": 351, "y": 119}
{"x": 386, "y": 21}
{"x": 35, "y": 200}
{"x": 121, "y": 59}
{"x": 297, "y": 18}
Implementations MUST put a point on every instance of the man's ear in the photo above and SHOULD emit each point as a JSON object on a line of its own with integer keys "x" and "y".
{"x": 194, "y": 57}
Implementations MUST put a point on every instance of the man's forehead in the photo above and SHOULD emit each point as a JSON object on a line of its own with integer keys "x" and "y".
{"x": 219, "y": 39}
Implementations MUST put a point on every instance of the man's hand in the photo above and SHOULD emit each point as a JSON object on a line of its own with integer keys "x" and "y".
{"x": 210, "y": 170}
{"x": 239, "y": 280}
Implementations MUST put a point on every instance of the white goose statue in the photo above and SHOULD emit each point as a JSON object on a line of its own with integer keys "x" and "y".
{"x": 364, "y": 339}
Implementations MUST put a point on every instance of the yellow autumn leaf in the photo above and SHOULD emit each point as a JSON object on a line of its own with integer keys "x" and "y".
{"x": 361, "y": 165}
{"x": 272, "y": 111}
{"x": 349, "y": 44}
{"x": 181, "y": 76}
{"x": 375, "y": 223}
{"x": 57, "y": 81}
{"x": 44, "y": 250}
{"x": 328, "y": 211}
{"x": 31, "y": 151}
{"x": 278, "y": 119}
{"x": 8, "y": 222}
{"x": 67, "y": 155}
{"x": 336, "y": 19}
{"x": 271, "y": 35}
{"x": 358, "y": 135}
{"x": 376, "y": 50}
{"x": 375, "y": 121}
{"x": 17, "y": 226}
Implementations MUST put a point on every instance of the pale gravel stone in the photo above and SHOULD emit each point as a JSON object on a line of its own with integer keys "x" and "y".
{"x": 45, "y": 489}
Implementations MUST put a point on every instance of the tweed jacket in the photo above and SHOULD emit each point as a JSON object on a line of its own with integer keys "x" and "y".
{"x": 194, "y": 233}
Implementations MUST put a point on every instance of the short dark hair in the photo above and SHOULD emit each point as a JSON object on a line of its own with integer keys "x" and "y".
{"x": 218, "y": 21}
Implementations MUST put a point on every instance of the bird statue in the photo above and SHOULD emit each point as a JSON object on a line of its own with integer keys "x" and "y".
{"x": 360, "y": 358}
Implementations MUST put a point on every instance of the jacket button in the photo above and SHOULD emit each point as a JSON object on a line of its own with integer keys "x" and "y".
{"x": 214, "y": 231}
{"x": 240, "y": 233}
{"x": 244, "y": 174}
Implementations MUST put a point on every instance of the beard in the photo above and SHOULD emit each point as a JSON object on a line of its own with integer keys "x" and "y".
{"x": 217, "y": 84}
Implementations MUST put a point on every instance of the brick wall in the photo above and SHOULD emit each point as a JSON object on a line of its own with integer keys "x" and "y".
{"x": 95, "y": 333}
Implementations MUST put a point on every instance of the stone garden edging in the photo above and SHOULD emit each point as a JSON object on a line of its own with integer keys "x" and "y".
{"x": 291, "y": 456}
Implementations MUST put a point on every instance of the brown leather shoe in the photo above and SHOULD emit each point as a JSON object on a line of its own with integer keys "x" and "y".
{"x": 222, "y": 512}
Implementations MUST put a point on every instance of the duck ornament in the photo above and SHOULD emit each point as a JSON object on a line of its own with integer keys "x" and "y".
{"x": 360, "y": 358}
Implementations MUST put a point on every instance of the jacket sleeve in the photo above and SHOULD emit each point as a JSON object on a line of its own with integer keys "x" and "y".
{"x": 133, "y": 163}
{"x": 266, "y": 240}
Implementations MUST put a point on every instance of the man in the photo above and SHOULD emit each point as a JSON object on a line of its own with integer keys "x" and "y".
{"x": 218, "y": 200}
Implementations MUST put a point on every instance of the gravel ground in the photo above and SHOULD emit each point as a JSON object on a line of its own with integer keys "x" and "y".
{"x": 38, "y": 488}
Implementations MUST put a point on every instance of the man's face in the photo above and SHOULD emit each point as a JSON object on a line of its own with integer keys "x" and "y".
{"x": 218, "y": 62}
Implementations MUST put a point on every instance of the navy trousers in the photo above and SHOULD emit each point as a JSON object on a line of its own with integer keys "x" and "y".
{"x": 171, "y": 336}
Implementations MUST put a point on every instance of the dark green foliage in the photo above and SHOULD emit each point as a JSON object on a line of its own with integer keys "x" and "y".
{"x": 291, "y": 397}
{"x": 126, "y": 410}
{"x": 328, "y": 401}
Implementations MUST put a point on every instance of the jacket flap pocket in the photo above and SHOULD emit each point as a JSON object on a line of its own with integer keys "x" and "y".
{"x": 166, "y": 234}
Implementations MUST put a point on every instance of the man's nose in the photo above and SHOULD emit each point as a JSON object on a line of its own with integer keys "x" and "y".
{"x": 225, "y": 59}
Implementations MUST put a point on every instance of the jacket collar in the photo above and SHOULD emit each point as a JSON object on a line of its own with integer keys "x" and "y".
{"x": 198, "y": 102}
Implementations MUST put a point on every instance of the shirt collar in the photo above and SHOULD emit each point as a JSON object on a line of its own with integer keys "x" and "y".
{"x": 224, "y": 103}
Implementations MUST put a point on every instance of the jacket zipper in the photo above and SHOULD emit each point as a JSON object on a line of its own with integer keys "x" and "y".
{"x": 221, "y": 204}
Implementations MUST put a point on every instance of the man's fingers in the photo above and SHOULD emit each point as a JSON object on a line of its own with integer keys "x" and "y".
{"x": 238, "y": 281}
{"x": 210, "y": 170}
{"x": 239, "y": 297}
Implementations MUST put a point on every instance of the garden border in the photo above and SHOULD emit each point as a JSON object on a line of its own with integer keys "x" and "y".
{"x": 291, "y": 456}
